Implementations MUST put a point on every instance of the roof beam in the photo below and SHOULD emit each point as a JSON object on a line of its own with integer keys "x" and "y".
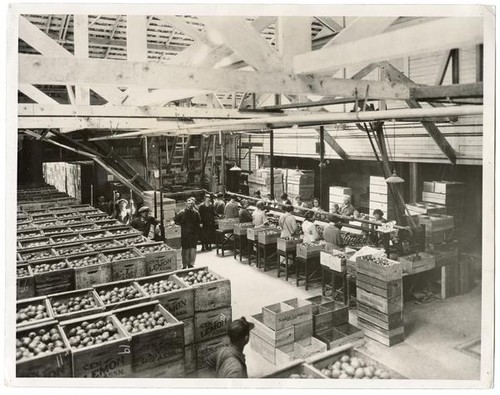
{"x": 137, "y": 48}
{"x": 334, "y": 145}
{"x": 293, "y": 37}
{"x": 329, "y": 23}
{"x": 427, "y": 37}
{"x": 36, "y": 94}
{"x": 81, "y": 45}
{"x": 242, "y": 38}
{"x": 46, "y": 46}
{"x": 36, "y": 69}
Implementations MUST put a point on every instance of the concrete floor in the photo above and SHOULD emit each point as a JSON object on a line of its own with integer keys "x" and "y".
{"x": 433, "y": 331}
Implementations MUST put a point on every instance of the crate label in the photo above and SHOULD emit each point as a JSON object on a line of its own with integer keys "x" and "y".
{"x": 214, "y": 328}
{"x": 163, "y": 264}
{"x": 160, "y": 350}
{"x": 111, "y": 367}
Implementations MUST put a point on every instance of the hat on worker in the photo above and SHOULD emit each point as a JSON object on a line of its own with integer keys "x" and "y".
{"x": 122, "y": 200}
{"x": 143, "y": 209}
{"x": 239, "y": 328}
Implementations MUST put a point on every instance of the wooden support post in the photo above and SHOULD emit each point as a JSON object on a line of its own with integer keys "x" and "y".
{"x": 271, "y": 159}
{"x": 413, "y": 182}
{"x": 455, "y": 66}
{"x": 223, "y": 161}
{"x": 479, "y": 63}
{"x": 137, "y": 49}
{"x": 321, "y": 163}
{"x": 81, "y": 43}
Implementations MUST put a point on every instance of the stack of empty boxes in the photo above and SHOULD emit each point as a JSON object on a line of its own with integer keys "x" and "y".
{"x": 261, "y": 181}
{"x": 446, "y": 193}
{"x": 379, "y": 292}
{"x": 300, "y": 183}
{"x": 284, "y": 332}
{"x": 381, "y": 198}
{"x": 337, "y": 195}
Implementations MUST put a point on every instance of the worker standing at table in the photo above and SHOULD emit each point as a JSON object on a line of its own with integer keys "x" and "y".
{"x": 331, "y": 233}
{"x": 309, "y": 228}
{"x": 207, "y": 217}
{"x": 347, "y": 208}
{"x": 219, "y": 205}
{"x": 189, "y": 221}
{"x": 232, "y": 209}
{"x": 259, "y": 215}
{"x": 244, "y": 215}
{"x": 288, "y": 223}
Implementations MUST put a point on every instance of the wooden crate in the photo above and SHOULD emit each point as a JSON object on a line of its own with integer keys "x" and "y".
{"x": 28, "y": 244}
{"x": 385, "y": 337}
{"x": 179, "y": 302}
{"x": 126, "y": 268}
{"x": 33, "y": 302}
{"x": 107, "y": 360}
{"x": 172, "y": 232}
{"x": 28, "y": 234}
{"x": 154, "y": 347}
{"x": 52, "y": 223}
{"x": 288, "y": 244}
{"x": 54, "y": 281}
{"x": 380, "y": 303}
{"x": 25, "y": 286}
{"x": 322, "y": 361}
{"x": 265, "y": 349}
{"x": 190, "y": 358}
{"x": 384, "y": 321}
{"x": 37, "y": 254}
{"x": 211, "y": 324}
{"x": 334, "y": 261}
{"x": 132, "y": 240}
{"x": 253, "y": 233}
{"x": 388, "y": 290}
{"x": 269, "y": 236}
{"x": 226, "y": 224}
{"x": 295, "y": 368}
{"x": 53, "y": 364}
{"x": 94, "y": 217}
{"x": 274, "y": 338}
{"x": 109, "y": 223}
{"x": 299, "y": 350}
{"x": 211, "y": 295}
{"x": 175, "y": 243}
{"x": 303, "y": 331}
{"x": 141, "y": 298}
{"x": 340, "y": 335}
{"x": 286, "y": 314}
{"x": 413, "y": 264}
{"x": 104, "y": 245}
{"x": 428, "y": 186}
{"x": 448, "y": 187}
{"x": 158, "y": 261}
{"x": 121, "y": 230}
{"x": 63, "y": 296}
{"x": 205, "y": 349}
{"x": 96, "y": 235}
{"x": 57, "y": 230}
{"x": 241, "y": 229}
{"x": 309, "y": 250}
{"x": 188, "y": 331}
{"x": 340, "y": 314}
{"x": 436, "y": 222}
{"x": 66, "y": 238}
{"x": 70, "y": 250}
{"x": 391, "y": 272}
{"x": 83, "y": 227}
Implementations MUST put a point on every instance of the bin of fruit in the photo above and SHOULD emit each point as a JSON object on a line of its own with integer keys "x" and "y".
{"x": 61, "y": 209}
{"x": 171, "y": 293}
{"x": 132, "y": 240}
{"x": 241, "y": 229}
{"x": 227, "y": 223}
{"x": 347, "y": 362}
{"x": 253, "y": 233}
{"x": 73, "y": 304}
{"x": 100, "y": 347}
{"x": 67, "y": 215}
{"x": 120, "y": 294}
{"x": 25, "y": 284}
{"x": 299, "y": 350}
{"x": 157, "y": 337}
{"x": 309, "y": 250}
{"x": 57, "y": 230}
{"x": 126, "y": 262}
{"x": 160, "y": 258}
{"x": 95, "y": 235}
{"x": 82, "y": 207}
{"x": 269, "y": 236}
{"x": 288, "y": 244}
{"x": 106, "y": 223}
{"x": 29, "y": 234}
{"x": 46, "y": 223}
{"x": 295, "y": 370}
{"x": 42, "y": 216}
{"x": 33, "y": 311}
{"x": 122, "y": 231}
{"x": 83, "y": 227}
{"x": 89, "y": 211}
{"x": 52, "y": 276}
{"x": 34, "y": 254}
{"x": 71, "y": 221}
{"x": 66, "y": 238}
{"x": 72, "y": 249}
{"x": 43, "y": 241}
{"x": 211, "y": 291}
{"x": 335, "y": 260}
{"x": 41, "y": 352}
{"x": 90, "y": 268}
{"x": 94, "y": 217}
{"x": 103, "y": 245}
{"x": 25, "y": 225}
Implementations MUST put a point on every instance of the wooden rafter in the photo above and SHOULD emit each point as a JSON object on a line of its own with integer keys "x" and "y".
{"x": 36, "y": 94}
{"x": 330, "y": 140}
{"x": 413, "y": 40}
{"x": 329, "y": 23}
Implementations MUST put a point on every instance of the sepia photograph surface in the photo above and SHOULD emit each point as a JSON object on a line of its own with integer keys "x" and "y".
{"x": 250, "y": 196}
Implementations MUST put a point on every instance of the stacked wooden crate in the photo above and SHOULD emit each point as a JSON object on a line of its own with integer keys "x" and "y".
{"x": 284, "y": 332}
{"x": 438, "y": 227}
{"x": 337, "y": 195}
{"x": 381, "y": 198}
{"x": 300, "y": 183}
{"x": 261, "y": 181}
{"x": 212, "y": 314}
{"x": 167, "y": 204}
{"x": 446, "y": 193}
{"x": 379, "y": 292}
